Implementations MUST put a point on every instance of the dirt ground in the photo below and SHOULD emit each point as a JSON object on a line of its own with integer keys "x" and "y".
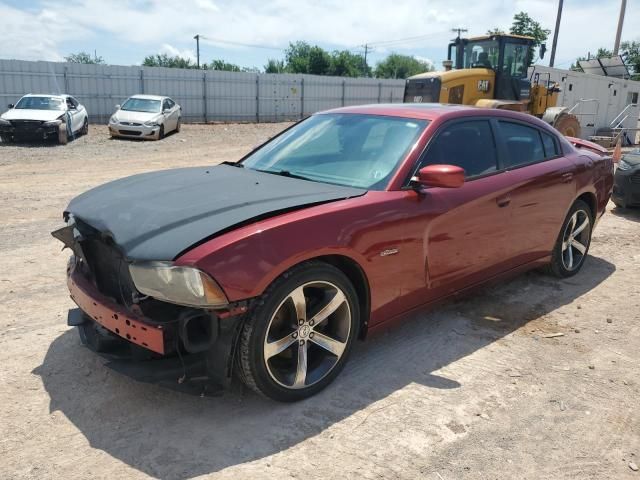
{"x": 474, "y": 389}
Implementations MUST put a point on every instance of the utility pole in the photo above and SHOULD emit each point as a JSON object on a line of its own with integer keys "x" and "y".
{"x": 197, "y": 38}
{"x": 459, "y": 31}
{"x": 555, "y": 34}
{"x": 364, "y": 68}
{"x": 623, "y": 7}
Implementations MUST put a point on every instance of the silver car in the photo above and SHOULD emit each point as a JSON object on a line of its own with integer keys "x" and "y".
{"x": 148, "y": 117}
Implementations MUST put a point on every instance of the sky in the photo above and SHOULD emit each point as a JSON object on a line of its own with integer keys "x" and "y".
{"x": 249, "y": 32}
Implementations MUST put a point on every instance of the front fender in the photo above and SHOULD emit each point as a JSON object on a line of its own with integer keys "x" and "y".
{"x": 247, "y": 260}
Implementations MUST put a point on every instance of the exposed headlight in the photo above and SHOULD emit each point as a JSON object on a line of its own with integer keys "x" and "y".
{"x": 154, "y": 122}
{"x": 181, "y": 285}
{"x": 113, "y": 120}
{"x": 52, "y": 123}
{"x": 622, "y": 165}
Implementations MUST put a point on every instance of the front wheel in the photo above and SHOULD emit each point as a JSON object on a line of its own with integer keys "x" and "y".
{"x": 573, "y": 242}
{"x": 85, "y": 127}
{"x": 178, "y": 125}
{"x": 161, "y": 132}
{"x": 298, "y": 335}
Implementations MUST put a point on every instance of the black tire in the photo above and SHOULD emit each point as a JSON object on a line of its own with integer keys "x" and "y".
{"x": 96, "y": 337}
{"x": 161, "y": 132}
{"x": 85, "y": 127}
{"x": 178, "y": 125}
{"x": 251, "y": 356}
{"x": 63, "y": 134}
{"x": 559, "y": 264}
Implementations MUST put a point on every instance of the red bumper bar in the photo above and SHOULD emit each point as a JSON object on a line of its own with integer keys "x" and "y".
{"x": 112, "y": 316}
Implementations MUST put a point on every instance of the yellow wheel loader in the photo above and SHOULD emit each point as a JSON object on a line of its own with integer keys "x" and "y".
{"x": 492, "y": 72}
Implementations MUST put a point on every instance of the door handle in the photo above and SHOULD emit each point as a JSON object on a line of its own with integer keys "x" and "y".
{"x": 503, "y": 201}
{"x": 567, "y": 177}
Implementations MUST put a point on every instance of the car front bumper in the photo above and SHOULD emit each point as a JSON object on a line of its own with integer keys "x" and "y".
{"x": 133, "y": 328}
{"x": 130, "y": 130}
{"x": 28, "y": 130}
{"x": 626, "y": 187}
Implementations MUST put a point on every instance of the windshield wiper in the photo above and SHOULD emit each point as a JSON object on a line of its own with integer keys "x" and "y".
{"x": 286, "y": 173}
{"x": 233, "y": 164}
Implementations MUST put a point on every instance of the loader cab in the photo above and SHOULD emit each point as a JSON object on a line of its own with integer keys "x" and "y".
{"x": 507, "y": 55}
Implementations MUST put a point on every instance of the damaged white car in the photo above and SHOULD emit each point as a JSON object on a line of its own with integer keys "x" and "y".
{"x": 147, "y": 117}
{"x": 44, "y": 117}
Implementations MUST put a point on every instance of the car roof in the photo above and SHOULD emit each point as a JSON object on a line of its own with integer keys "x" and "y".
{"x": 433, "y": 111}
{"x": 149, "y": 97}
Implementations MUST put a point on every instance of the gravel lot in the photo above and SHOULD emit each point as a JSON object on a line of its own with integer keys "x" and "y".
{"x": 474, "y": 389}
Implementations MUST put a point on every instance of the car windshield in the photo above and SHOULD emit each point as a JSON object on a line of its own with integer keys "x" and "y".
{"x": 353, "y": 150}
{"x": 141, "y": 105}
{"x": 41, "y": 103}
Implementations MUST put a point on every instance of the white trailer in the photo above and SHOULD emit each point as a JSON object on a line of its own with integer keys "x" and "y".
{"x": 606, "y": 107}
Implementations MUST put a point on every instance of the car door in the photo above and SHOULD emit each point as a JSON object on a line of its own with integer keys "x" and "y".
{"x": 542, "y": 187}
{"x": 171, "y": 116}
{"x": 462, "y": 233}
{"x": 75, "y": 116}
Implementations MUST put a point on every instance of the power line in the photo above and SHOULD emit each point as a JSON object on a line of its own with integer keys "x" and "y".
{"x": 386, "y": 43}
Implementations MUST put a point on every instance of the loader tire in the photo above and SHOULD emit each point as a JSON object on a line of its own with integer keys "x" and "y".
{"x": 568, "y": 125}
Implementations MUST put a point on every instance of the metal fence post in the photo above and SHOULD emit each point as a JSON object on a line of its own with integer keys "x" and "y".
{"x": 344, "y": 82}
{"x": 257, "y": 98}
{"x": 204, "y": 95}
{"x": 302, "y": 98}
{"x": 141, "y": 80}
{"x": 379, "y": 92}
{"x": 66, "y": 80}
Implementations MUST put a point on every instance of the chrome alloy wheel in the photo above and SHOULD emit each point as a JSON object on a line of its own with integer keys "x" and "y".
{"x": 307, "y": 335}
{"x": 575, "y": 240}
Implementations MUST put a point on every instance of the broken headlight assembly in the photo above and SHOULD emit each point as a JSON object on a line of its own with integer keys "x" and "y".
{"x": 53, "y": 123}
{"x": 177, "y": 284}
{"x": 154, "y": 122}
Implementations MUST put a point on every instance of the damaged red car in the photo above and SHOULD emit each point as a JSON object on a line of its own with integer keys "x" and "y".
{"x": 273, "y": 266}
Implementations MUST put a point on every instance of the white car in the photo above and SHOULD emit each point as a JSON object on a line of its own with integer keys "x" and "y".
{"x": 43, "y": 116}
{"x": 148, "y": 117}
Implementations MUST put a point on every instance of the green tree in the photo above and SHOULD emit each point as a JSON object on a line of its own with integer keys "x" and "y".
{"x": 164, "y": 60}
{"x": 84, "y": 57}
{"x": 274, "y": 66}
{"x": 631, "y": 51}
{"x": 297, "y": 57}
{"x": 319, "y": 61}
{"x": 347, "y": 64}
{"x": 401, "y": 66}
{"x": 523, "y": 24}
{"x": 224, "y": 66}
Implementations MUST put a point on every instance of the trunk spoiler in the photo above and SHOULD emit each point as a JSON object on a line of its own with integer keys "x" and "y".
{"x": 591, "y": 146}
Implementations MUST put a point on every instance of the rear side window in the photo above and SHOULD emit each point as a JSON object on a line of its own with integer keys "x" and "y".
{"x": 550, "y": 145}
{"x": 469, "y": 145}
{"x": 524, "y": 144}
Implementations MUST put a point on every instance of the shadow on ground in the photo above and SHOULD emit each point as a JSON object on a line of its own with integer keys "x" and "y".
{"x": 175, "y": 436}
{"x": 631, "y": 214}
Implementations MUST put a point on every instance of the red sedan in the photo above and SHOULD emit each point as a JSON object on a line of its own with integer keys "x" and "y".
{"x": 273, "y": 266}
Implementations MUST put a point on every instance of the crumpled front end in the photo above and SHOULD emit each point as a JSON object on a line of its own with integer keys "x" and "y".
{"x": 100, "y": 283}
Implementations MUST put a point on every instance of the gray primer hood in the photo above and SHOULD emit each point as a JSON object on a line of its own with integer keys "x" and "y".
{"x": 159, "y": 215}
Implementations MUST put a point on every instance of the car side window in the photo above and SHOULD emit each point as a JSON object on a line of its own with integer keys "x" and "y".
{"x": 170, "y": 102}
{"x": 165, "y": 105}
{"x": 469, "y": 145}
{"x": 524, "y": 144}
{"x": 550, "y": 145}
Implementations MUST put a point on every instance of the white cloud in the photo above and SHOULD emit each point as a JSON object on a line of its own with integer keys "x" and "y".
{"x": 175, "y": 52}
{"x": 145, "y": 24}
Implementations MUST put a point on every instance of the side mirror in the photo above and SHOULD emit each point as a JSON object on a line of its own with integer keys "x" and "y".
{"x": 11, "y": 105}
{"x": 543, "y": 50}
{"x": 118, "y": 107}
{"x": 444, "y": 176}
{"x": 166, "y": 111}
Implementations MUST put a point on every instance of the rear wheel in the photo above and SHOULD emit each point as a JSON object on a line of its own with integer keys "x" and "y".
{"x": 573, "y": 242}
{"x": 568, "y": 125}
{"x": 297, "y": 337}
